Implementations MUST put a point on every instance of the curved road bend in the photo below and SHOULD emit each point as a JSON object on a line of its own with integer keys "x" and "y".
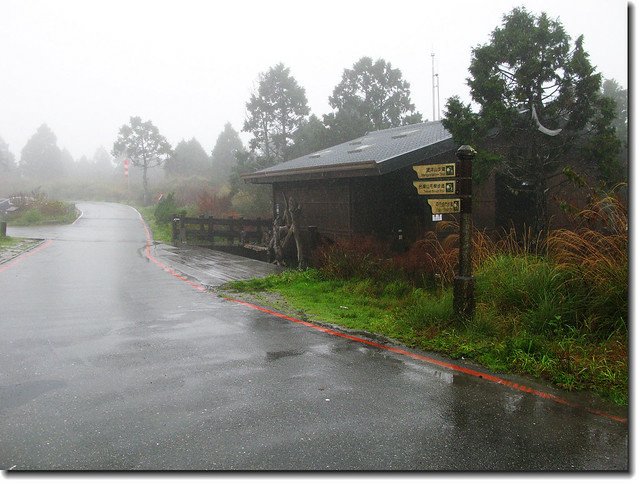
{"x": 108, "y": 362}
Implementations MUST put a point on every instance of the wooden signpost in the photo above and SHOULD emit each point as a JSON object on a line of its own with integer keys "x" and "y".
{"x": 444, "y": 205}
{"x": 435, "y": 171}
{"x": 453, "y": 181}
{"x": 435, "y": 187}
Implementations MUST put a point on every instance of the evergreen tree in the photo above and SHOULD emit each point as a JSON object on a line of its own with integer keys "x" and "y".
{"x": 274, "y": 113}
{"x": 7, "y": 159}
{"x": 103, "y": 163}
{"x": 371, "y": 96}
{"x": 8, "y": 170}
{"x": 68, "y": 162}
{"x": 188, "y": 159}
{"x": 540, "y": 94}
{"x": 613, "y": 90}
{"x": 41, "y": 159}
{"x": 223, "y": 156}
{"x": 312, "y": 136}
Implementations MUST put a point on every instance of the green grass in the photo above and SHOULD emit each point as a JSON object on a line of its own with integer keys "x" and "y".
{"x": 161, "y": 232}
{"x": 522, "y": 322}
{"x": 6, "y": 242}
{"x": 53, "y": 213}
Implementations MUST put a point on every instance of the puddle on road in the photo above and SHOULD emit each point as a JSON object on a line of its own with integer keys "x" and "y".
{"x": 276, "y": 355}
{"x": 12, "y": 396}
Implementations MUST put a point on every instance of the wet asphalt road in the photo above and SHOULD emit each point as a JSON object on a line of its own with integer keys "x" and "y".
{"x": 107, "y": 362}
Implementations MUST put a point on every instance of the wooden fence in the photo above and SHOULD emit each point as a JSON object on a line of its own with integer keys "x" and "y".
{"x": 220, "y": 231}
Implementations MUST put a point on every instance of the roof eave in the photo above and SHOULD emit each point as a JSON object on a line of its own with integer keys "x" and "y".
{"x": 343, "y": 170}
{"x": 416, "y": 156}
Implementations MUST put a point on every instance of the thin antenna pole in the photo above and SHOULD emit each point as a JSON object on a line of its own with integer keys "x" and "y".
{"x": 433, "y": 86}
{"x": 438, "y": 88}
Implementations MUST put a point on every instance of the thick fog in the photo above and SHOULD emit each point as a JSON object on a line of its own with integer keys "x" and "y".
{"x": 84, "y": 68}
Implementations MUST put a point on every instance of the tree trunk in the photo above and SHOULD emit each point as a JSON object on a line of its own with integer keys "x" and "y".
{"x": 541, "y": 208}
{"x": 294, "y": 210}
{"x": 145, "y": 186}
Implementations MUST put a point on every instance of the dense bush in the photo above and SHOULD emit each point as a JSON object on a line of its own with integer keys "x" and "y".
{"x": 359, "y": 257}
{"x": 166, "y": 209}
{"x": 253, "y": 201}
{"x": 571, "y": 280}
{"x": 213, "y": 203}
{"x": 36, "y": 208}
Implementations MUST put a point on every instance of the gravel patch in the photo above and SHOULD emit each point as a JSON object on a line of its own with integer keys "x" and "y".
{"x": 23, "y": 245}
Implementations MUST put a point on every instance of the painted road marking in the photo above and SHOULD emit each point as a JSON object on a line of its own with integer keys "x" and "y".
{"x": 163, "y": 266}
{"x": 401, "y": 351}
{"x": 25, "y": 255}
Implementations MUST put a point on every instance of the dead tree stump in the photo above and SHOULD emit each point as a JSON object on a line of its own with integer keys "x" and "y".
{"x": 284, "y": 230}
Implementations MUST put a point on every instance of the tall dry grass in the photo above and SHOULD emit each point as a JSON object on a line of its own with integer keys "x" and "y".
{"x": 576, "y": 277}
{"x": 596, "y": 257}
{"x": 436, "y": 255}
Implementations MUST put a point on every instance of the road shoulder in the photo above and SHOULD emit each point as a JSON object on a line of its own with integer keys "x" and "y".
{"x": 8, "y": 253}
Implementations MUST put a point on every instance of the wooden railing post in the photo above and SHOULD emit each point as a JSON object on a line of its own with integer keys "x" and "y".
{"x": 174, "y": 227}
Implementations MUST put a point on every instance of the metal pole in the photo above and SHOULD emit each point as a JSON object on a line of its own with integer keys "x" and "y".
{"x": 438, "y": 96}
{"x": 463, "y": 284}
{"x": 433, "y": 86}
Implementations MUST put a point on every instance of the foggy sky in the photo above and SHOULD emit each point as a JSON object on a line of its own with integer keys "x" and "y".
{"x": 85, "y": 67}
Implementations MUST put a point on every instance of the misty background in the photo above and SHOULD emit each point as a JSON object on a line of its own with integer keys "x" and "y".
{"x": 84, "y": 68}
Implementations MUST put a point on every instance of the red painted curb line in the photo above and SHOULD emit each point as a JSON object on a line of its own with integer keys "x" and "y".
{"x": 433, "y": 361}
{"x": 415, "y": 356}
{"x": 23, "y": 256}
{"x": 163, "y": 266}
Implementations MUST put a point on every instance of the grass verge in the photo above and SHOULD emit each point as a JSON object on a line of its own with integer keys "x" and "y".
{"x": 160, "y": 231}
{"x": 514, "y": 330}
{"x": 54, "y": 212}
{"x": 8, "y": 242}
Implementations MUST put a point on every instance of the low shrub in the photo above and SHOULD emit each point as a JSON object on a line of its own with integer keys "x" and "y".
{"x": 360, "y": 257}
{"x": 32, "y": 216}
{"x": 36, "y": 208}
{"x": 423, "y": 309}
{"x": 515, "y": 282}
{"x": 431, "y": 260}
{"x": 214, "y": 204}
{"x": 397, "y": 289}
{"x": 166, "y": 209}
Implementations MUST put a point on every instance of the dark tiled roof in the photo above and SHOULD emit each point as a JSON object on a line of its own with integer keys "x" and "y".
{"x": 377, "y": 152}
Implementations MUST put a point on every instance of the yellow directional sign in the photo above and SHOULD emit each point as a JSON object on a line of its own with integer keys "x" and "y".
{"x": 435, "y": 171}
{"x": 435, "y": 187}
{"x": 444, "y": 205}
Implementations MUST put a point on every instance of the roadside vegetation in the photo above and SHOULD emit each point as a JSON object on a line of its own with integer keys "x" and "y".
{"x": 188, "y": 201}
{"x": 7, "y": 242}
{"x": 160, "y": 215}
{"x": 160, "y": 230}
{"x": 35, "y": 208}
{"x": 553, "y": 308}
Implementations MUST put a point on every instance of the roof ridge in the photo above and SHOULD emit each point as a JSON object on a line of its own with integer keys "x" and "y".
{"x": 375, "y": 146}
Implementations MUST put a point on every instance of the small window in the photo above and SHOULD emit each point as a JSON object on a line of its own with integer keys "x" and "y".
{"x": 364, "y": 139}
{"x": 319, "y": 154}
{"x": 358, "y": 150}
{"x": 404, "y": 134}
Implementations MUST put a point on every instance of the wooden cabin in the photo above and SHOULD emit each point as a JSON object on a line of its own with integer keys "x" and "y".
{"x": 365, "y": 186}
